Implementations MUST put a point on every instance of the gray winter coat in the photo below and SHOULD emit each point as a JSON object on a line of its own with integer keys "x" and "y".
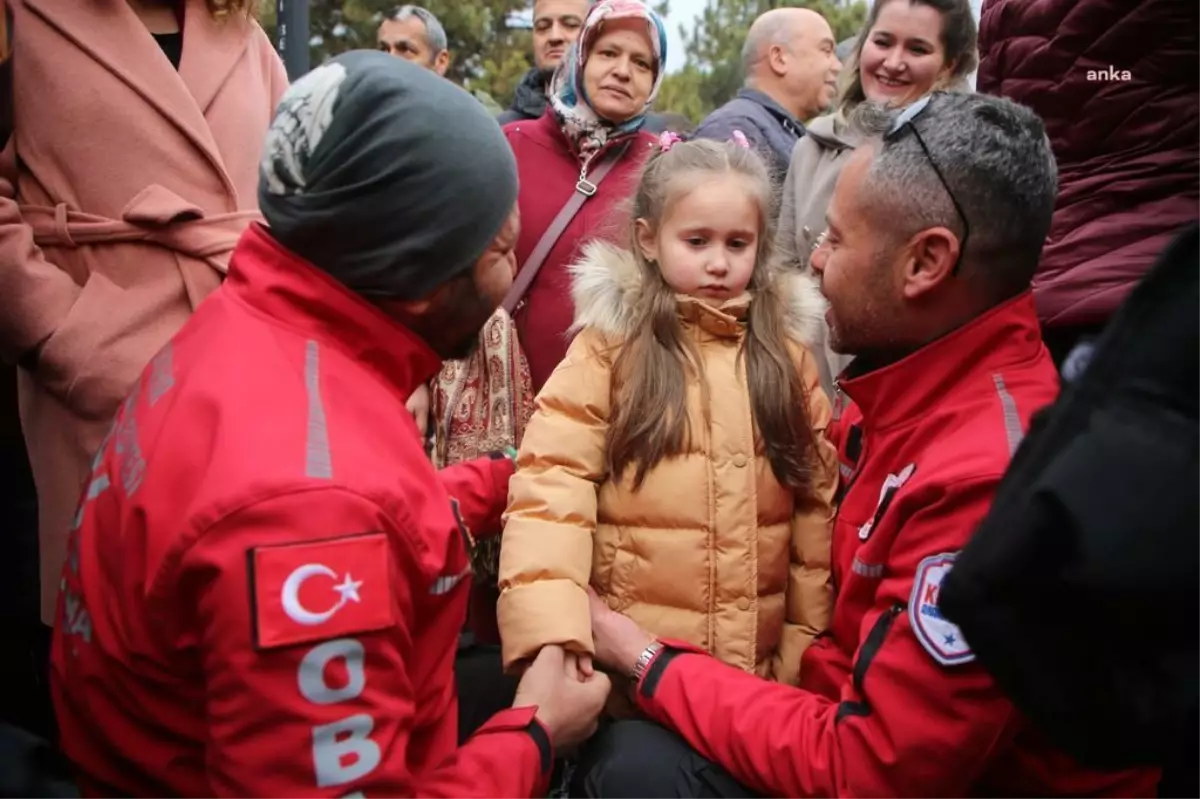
{"x": 816, "y": 163}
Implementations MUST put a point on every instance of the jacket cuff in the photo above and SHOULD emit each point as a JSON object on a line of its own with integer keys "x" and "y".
{"x": 501, "y": 469}
{"x": 524, "y": 719}
{"x": 538, "y": 614}
{"x": 653, "y": 674}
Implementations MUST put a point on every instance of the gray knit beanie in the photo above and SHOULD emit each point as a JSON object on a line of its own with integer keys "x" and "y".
{"x": 385, "y": 175}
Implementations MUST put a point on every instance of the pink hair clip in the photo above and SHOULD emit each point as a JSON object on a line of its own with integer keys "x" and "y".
{"x": 667, "y": 140}
{"x": 740, "y": 140}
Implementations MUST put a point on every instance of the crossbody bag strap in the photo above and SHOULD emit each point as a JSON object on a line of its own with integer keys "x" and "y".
{"x": 584, "y": 190}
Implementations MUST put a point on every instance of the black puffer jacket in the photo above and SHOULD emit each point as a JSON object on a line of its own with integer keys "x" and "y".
{"x": 529, "y": 100}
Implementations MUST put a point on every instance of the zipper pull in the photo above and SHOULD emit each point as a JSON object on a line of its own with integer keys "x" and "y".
{"x": 839, "y": 400}
{"x": 583, "y": 185}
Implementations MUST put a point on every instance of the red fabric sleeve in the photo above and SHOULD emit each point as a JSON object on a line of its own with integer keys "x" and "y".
{"x": 287, "y": 721}
{"x": 915, "y": 728}
{"x": 479, "y": 487}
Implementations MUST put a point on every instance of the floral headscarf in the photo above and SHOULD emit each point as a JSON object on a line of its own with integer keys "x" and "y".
{"x": 582, "y": 125}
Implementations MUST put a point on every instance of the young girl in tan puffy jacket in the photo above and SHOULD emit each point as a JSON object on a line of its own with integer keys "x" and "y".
{"x": 676, "y": 459}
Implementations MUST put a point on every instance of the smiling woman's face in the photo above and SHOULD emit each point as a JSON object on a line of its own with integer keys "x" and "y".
{"x": 619, "y": 73}
{"x": 903, "y": 57}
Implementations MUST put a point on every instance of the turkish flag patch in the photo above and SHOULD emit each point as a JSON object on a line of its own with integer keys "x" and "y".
{"x": 319, "y": 590}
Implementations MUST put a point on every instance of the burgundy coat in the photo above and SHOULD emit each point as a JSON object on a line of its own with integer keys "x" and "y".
{"x": 1126, "y": 148}
{"x": 549, "y": 169}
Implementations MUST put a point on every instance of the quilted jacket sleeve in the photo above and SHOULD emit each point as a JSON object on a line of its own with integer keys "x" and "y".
{"x": 546, "y": 551}
{"x": 809, "y": 600}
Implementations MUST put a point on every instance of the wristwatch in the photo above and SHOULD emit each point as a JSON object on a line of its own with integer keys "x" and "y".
{"x": 643, "y": 661}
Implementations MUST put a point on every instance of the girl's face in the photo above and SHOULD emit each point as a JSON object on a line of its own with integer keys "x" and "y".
{"x": 902, "y": 57}
{"x": 706, "y": 244}
{"x": 618, "y": 75}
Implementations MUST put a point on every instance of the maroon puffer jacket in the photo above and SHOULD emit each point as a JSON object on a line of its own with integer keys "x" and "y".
{"x": 1126, "y": 145}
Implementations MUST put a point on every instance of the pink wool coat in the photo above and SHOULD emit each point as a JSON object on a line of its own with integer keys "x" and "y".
{"x": 129, "y": 185}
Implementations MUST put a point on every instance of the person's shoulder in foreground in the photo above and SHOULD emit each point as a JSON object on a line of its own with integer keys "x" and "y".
{"x": 267, "y": 579}
{"x": 935, "y": 229}
{"x": 740, "y": 113}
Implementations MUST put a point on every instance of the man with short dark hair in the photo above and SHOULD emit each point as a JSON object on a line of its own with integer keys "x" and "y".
{"x": 556, "y": 26}
{"x": 935, "y": 228}
{"x": 415, "y": 34}
{"x": 791, "y": 75}
{"x": 266, "y": 579}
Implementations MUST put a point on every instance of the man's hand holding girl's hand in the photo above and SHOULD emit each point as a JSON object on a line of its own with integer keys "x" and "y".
{"x": 569, "y": 695}
{"x": 619, "y": 641}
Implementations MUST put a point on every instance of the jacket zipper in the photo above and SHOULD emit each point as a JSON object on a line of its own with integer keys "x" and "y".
{"x": 866, "y": 654}
{"x": 859, "y": 462}
{"x": 583, "y": 185}
{"x": 874, "y": 641}
{"x": 844, "y": 491}
{"x": 839, "y": 400}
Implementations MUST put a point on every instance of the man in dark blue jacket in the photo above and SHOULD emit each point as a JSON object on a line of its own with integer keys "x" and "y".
{"x": 791, "y": 75}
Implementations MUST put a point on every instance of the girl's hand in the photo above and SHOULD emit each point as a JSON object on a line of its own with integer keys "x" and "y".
{"x": 619, "y": 641}
{"x": 586, "y": 669}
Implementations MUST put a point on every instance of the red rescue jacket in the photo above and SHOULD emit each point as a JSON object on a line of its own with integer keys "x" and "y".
{"x": 892, "y": 702}
{"x": 266, "y": 580}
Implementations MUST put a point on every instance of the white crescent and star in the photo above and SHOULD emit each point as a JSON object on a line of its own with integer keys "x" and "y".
{"x": 290, "y": 595}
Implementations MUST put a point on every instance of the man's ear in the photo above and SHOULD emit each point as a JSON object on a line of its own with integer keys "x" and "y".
{"x": 441, "y": 62}
{"x": 416, "y": 308}
{"x": 929, "y": 261}
{"x": 647, "y": 240}
{"x": 777, "y": 56}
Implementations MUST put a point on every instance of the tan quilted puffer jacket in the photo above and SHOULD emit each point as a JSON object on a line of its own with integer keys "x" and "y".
{"x": 712, "y": 549}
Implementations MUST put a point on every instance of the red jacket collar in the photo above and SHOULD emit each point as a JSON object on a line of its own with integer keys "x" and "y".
{"x": 279, "y": 284}
{"x": 1006, "y": 336}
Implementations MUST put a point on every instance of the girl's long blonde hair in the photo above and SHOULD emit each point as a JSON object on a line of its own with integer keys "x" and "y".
{"x": 649, "y": 420}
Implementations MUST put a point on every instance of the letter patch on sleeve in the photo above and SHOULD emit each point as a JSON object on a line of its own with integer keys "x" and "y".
{"x": 941, "y": 637}
{"x": 321, "y": 589}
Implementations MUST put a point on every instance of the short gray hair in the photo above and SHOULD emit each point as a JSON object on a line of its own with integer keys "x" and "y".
{"x": 435, "y": 34}
{"x": 996, "y": 158}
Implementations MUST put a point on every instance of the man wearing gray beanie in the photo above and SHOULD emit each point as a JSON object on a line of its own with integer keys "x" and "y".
{"x": 266, "y": 578}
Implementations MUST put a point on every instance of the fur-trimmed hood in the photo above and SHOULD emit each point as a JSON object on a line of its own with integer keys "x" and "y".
{"x": 606, "y": 284}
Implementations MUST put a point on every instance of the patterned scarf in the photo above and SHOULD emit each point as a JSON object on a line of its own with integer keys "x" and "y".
{"x": 578, "y": 120}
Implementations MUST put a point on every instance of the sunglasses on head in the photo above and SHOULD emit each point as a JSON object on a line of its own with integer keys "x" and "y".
{"x": 905, "y": 119}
